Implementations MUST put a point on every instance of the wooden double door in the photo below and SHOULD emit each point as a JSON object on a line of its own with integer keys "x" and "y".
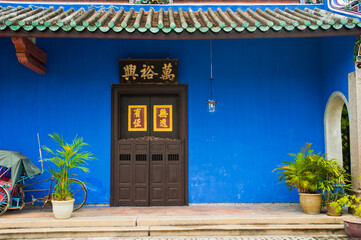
{"x": 149, "y": 160}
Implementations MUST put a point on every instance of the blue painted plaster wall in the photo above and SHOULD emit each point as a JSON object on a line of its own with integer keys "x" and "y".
{"x": 337, "y": 55}
{"x": 269, "y": 105}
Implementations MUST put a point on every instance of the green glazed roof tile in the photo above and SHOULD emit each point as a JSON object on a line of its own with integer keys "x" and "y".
{"x": 289, "y": 28}
{"x": 277, "y": 28}
{"x": 92, "y": 28}
{"x": 227, "y": 29}
{"x": 15, "y": 28}
{"x": 155, "y": 30}
{"x": 66, "y": 28}
{"x": 34, "y": 18}
{"x": 191, "y": 30}
{"x": 79, "y": 28}
{"x": 350, "y": 26}
{"x": 41, "y": 28}
{"x": 104, "y": 29}
{"x": 203, "y": 29}
{"x": 325, "y": 27}
{"x": 130, "y": 29}
{"x": 251, "y": 29}
{"x": 216, "y": 29}
{"x": 178, "y": 30}
{"x": 314, "y": 27}
{"x": 166, "y": 30}
{"x": 301, "y": 27}
{"x": 142, "y": 30}
{"x": 28, "y": 28}
{"x": 117, "y": 29}
{"x": 264, "y": 28}
{"x": 240, "y": 29}
{"x": 54, "y": 28}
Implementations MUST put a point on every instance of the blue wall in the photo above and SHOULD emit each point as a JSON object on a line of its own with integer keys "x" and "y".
{"x": 337, "y": 63}
{"x": 270, "y": 104}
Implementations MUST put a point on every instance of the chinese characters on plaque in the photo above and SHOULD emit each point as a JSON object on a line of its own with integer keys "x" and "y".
{"x": 162, "y": 118}
{"x": 148, "y": 71}
{"x": 137, "y": 117}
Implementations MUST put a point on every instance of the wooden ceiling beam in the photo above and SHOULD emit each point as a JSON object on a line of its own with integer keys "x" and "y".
{"x": 29, "y": 54}
{"x": 184, "y": 35}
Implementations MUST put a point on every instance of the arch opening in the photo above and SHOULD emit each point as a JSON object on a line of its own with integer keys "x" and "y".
{"x": 333, "y": 119}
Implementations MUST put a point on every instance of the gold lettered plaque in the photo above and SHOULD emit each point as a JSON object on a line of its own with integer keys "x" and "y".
{"x": 137, "y": 118}
{"x": 152, "y": 71}
{"x": 163, "y": 118}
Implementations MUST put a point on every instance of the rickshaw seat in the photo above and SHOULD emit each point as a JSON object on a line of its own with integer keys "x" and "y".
{"x": 5, "y": 180}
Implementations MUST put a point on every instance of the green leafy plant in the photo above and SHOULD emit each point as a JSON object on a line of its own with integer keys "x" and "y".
{"x": 67, "y": 157}
{"x": 307, "y": 171}
{"x": 336, "y": 184}
{"x": 350, "y": 201}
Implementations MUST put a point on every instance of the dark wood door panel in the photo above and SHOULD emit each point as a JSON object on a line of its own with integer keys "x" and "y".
{"x": 157, "y": 173}
{"x": 149, "y": 166}
{"x": 133, "y": 177}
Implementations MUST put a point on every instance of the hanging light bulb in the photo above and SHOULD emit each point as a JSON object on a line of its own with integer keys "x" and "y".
{"x": 211, "y": 102}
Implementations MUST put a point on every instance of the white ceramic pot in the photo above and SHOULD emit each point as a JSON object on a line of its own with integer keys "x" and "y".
{"x": 63, "y": 209}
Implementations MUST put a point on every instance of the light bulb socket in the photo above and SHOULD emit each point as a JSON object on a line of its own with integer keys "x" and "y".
{"x": 211, "y": 102}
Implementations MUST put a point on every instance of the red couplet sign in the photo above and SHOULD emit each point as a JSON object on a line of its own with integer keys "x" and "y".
{"x": 162, "y": 118}
{"x": 137, "y": 118}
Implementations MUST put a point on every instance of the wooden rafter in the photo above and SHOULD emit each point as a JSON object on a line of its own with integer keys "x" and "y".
{"x": 29, "y": 54}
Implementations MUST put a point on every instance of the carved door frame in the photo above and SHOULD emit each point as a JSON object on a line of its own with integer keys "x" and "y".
{"x": 181, "y": 90}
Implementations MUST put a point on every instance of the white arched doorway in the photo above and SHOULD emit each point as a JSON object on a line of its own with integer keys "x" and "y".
{"x": 333, "y": 114}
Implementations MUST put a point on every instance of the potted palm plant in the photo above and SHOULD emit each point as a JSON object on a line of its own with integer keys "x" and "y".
{"x": 306, "y": 173}
{"x": 66, "y": 158}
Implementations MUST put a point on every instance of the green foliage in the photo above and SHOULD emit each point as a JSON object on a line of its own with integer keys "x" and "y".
{"x": 336, "y": 184}
{"x": 308, "y": 171}
{"x": 350, "y": 201}
{"x": 345, "y": 133}
{"x": 68, "y": 156}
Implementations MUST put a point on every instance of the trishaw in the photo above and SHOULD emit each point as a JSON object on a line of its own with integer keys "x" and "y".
{"x": 15, "y": 170}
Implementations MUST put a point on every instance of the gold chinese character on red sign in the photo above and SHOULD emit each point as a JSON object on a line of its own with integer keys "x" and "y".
{"x": 163, "y": 118}
{"x": 137, "y": 117}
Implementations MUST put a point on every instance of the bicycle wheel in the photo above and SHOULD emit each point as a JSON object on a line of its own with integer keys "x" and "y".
{"x": 4, "y": 200}
{"x": 79, "y": 192}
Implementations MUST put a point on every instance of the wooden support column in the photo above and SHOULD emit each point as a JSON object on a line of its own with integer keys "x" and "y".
{"x": 30, "y": 55}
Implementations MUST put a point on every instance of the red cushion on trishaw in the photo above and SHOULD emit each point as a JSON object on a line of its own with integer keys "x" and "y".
{"x": 5, "y": 180}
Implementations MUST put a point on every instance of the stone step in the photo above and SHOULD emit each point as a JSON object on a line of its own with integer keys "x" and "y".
{"x": 236, "y": 230}
{"x": 129, "y": 221}
{"x": 235, "y": 220}
{"x": 143, "y": 231}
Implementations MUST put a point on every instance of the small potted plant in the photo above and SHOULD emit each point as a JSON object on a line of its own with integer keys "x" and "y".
{"x": 352, "y": 226}
{"x": 66, "y": 158}
{"x": 335, "y": 186}
{"x": 306, "y": 173}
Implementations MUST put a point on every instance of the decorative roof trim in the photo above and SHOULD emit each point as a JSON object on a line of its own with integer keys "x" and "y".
{"x": 179, "y": 22}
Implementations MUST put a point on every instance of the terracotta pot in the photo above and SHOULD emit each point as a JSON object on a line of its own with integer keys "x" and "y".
{"x": 352, "y": 229}
{"x": 331, "y": 211}
{"x": 311, "y": 202}
{"x": 63, "y": 209}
